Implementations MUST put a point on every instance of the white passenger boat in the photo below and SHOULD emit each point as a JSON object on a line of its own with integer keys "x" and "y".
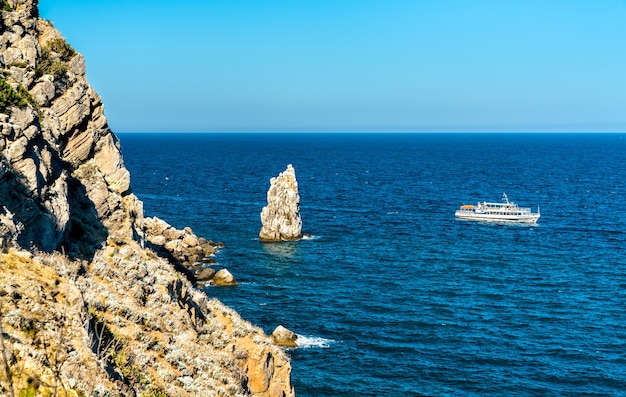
{"x": 506, "y": 211}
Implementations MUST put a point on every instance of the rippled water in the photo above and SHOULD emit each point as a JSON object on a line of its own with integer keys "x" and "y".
{"x": 394, "y": 297}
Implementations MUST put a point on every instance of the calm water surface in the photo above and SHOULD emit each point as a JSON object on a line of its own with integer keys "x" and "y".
{"x": 394, "y": 297}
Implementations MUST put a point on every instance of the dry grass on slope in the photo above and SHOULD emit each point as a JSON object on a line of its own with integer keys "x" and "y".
{"x": 125, "y": 324}
{"x": 46, "y": 345}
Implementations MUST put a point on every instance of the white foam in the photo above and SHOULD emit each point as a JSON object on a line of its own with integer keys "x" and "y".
{"x": 311, "y": 342}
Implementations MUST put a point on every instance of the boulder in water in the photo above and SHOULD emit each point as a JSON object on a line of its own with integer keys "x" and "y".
{"x": 284, "y": 337}
{"x": 224, "y": 278}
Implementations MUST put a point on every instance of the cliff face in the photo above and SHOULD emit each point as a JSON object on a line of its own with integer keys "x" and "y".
{"x": 63, "y": 177}
{"x": 90, "y": 310}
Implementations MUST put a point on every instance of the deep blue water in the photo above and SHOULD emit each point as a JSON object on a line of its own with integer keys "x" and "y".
{"x": 392, "y": 295}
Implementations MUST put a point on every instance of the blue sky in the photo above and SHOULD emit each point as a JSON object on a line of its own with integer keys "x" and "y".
{"x": 352, "y": 65}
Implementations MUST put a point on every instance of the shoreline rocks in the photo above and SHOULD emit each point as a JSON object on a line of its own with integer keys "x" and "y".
{"x": 280, "y": 219}
{"x": 190, "y": 254}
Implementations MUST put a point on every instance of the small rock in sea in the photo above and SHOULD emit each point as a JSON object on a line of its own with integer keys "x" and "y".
{"x": 223, "y": 278}
{"x": 284, "y": 337}
{"x": 205, "y": 274}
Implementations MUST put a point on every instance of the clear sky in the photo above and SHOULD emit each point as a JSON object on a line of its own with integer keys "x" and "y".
{"x": 352, "y": 65}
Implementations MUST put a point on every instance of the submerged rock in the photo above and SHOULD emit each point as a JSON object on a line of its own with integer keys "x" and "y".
{"x": 281, "y": 217}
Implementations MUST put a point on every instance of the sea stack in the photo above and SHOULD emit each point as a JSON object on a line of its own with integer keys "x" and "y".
{"x": 281, "y": 217}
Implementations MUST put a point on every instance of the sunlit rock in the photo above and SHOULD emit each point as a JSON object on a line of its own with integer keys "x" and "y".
{"x": 284, "y": 337}
{"x": 281, "y": 218}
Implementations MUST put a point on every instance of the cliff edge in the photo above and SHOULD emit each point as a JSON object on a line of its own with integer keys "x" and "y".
{"x": 88, "y": 306}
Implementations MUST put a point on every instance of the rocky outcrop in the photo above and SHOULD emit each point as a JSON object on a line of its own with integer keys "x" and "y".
{"x": 284, "y": 337}
{"x": 64, "y": 178}
{"x": 281, "y": 219}
{"x": 8, "y": 229}
{"x": 90, "y": 303}
{"x": 182, "y": 247}
{"x": 192, "y": 255}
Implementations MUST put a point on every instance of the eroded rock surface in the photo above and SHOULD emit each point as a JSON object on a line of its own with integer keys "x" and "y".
{"x": 90, "y": 301}
{"x": 64, "y": 177}
{"x": 281, "y": 220}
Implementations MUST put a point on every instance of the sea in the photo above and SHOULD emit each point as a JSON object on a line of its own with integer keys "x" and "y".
{"x": 391, "y": 295}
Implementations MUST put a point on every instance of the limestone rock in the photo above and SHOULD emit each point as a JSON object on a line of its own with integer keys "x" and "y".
{"x": 64, "y": 178}
{"x": 9, "y": 230}
{"x": 261, "y": 372}
{"x": 93, "y": 274}
{"x": 183, "y": 247}
{"x": 224, "y": 278}
{"x": 205, "y": 274}
{"x": 281, "y": 219}
{"x": 284, "y": 337}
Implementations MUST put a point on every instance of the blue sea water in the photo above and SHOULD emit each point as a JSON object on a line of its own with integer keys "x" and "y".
{"x": 394, "y": 297}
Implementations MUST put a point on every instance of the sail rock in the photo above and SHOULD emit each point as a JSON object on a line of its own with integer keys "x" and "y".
{"x": 281, "y": 218}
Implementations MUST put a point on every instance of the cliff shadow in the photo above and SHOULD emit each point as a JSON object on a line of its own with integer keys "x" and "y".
{"x": 184, "y": 299}
{"x": 35, "y": 225}
{"x": 84, "y": 233}
{"x": 166, "y": 254}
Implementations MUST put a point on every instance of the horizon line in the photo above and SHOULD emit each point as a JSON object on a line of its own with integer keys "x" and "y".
{"x": 361, "y": 132}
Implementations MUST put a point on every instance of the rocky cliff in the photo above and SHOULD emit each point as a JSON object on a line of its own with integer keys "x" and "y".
{"x": 90, "y": 301}
{"x": 280, "y": 218}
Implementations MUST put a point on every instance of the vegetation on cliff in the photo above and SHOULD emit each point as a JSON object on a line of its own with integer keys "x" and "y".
{"x": 91, "y": 303}
{"x": 54, "y": 57}
{"x": 123, "y": 324}
{"x": 9, "y": 96}
{"x": 5, "y": 6}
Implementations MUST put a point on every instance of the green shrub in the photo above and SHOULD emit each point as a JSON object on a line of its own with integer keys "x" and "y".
{"x": 154, "y": 391}
{"x": 5, "y": 6}
{"x": 60, "y": 46}
{"x": 53, "y": 57}
{"x": 28, "y": 392}
{"x": 10, "y": 97}
{"x": 23, "y": 92}
{"x": 57, "y": 69}
{"x": 19, "y": 64}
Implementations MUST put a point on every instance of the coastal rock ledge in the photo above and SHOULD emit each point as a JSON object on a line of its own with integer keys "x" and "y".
{"x": 281, "y": 217}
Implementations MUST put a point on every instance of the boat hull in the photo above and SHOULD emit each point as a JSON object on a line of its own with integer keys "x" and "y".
{"x": 532, "y": 218}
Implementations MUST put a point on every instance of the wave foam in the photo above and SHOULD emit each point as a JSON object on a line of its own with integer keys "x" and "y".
{"x": 310, "y": 342}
